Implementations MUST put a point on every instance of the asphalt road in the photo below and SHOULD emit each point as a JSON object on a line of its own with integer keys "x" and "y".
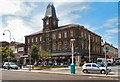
{"x": 16, "y": 75}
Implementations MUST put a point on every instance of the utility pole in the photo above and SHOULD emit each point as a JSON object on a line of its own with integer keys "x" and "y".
{"x": 29, "y": 60}
{"x": 89, "y": 50}
{"x": 105, "y": 51}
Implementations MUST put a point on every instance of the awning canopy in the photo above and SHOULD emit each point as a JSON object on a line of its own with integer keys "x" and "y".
{"x": 75, "y": 54}
{"x": 24, "y": 56}
{"x": 62, "y": 54}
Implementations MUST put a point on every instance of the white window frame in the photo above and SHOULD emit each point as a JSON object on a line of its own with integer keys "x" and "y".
{"x": 36, "y": 39}
{"x": 71, "y": 33}
{"x": 60, "y": 46}
{"x": 81, "y": 34}
{"x": 28, "y": 40}
{"x": 65, "y": 45}
{"x": 40, "y": 38}
{"x": 28, "y": 49}
{"x": 65, "y": 34}
{"x": 32, "y": 39}
{"x": 82, "y": 44}
{"x": 60, "y": 35}
{"x": 54, "y": 46}
{"x": 85, "y": 36}
{"x": 54, "y": 36}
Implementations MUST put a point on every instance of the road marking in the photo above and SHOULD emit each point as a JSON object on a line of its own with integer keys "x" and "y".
{"x": 90, "y": 77}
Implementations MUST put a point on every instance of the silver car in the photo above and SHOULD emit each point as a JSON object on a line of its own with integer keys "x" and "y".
{"x": 10, "y": 65}
{"x": 93, "y": 67}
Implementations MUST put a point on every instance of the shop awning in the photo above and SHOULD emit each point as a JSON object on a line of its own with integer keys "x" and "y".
{"x": 61, "y": 54}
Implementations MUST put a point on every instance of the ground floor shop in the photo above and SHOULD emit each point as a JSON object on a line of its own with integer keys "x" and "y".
{"x": 62, "y": 59}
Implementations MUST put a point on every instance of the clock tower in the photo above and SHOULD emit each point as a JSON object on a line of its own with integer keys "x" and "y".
{"x": 50, "y": 21}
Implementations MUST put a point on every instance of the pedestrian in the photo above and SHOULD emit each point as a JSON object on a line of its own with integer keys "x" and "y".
{"x": 20, "y": 66}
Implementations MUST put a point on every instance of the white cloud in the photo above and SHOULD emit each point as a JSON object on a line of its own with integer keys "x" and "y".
{"x": 71, "y": 0}
{"x": 111, "y": 22}
{"x": 114, "y": 30}
{"x": 17, "y": 8}
{"x": 36, "y": 22}
{"x": 66, "y": 12}
{"x": 20, "y": 27}
{"x": 18, "y": 30}
{"x": 9, "y": 7}
{"x": 108, "y": 36}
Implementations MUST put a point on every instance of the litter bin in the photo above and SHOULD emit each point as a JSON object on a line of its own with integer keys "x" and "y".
{"x": 72, "y": 69}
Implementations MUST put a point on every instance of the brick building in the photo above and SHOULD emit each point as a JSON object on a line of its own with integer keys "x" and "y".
{"x": 18, "y": 49}
{"x": 112, "y": 51}
{"x": 56, "y": 39}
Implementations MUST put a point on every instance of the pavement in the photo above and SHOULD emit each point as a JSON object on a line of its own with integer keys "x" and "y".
{"x": 67, "y": 71}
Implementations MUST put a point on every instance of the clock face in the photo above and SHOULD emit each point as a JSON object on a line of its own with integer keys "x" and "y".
{"x": 47, "y": 22}
{"x": 54, "y": 22}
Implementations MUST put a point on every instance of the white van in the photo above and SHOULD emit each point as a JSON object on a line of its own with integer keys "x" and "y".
{"x": 101, "y": 61}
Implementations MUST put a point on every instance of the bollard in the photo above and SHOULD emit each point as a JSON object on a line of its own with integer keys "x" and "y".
{"x": 72, "y": 69}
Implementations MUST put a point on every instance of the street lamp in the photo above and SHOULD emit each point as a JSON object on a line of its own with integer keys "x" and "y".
{"x": 9, "y": 45}
{"x": 72, "y": 64}
{"x": 89, "y": 50}
{"x": 13, "y": 39}
{"x": 105, "y": 51}
{"x": 29, "y": 60}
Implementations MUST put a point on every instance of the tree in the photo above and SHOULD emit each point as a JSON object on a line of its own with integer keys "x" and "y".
{"x": 4, "y": 52}
{"x": 34, "y": 53}
{"x": 43, "y": 56}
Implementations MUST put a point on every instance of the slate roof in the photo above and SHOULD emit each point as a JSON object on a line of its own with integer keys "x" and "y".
{"x": 50, "y": 11}
{"x": 59, "y": 28}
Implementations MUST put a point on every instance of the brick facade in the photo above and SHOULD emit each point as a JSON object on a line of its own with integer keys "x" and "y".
{"x": 57, "y": 39}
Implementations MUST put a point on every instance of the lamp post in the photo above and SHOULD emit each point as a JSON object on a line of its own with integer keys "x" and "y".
{"x": 29, "y": 60}
{"x": 9, "y": 45}
{"x": 105, "y": 51}
{"x": 72, "y": 64}
{"x": 30, "y": 63}
{"x": 13, "y": 39}
{"x": 89, "y": 50}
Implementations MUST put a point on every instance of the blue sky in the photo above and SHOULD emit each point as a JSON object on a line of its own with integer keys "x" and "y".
{"x": 23, "y": 18}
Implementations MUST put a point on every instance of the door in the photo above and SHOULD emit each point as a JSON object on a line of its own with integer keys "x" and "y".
{"x": 95, "y": 68}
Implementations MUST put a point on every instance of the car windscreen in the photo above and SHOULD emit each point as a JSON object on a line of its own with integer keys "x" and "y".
{"x": 99, "y": 65}
{"x": 13, "y": 64}
{"x": 99, "y": 60}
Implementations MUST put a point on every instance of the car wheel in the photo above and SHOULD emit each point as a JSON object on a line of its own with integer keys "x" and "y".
{"x": 16, "y": 68}
{"x": 85, "y": 71}
{"x": 102, "y": 71}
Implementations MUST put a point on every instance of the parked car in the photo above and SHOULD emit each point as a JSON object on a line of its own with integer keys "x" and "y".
{"x": 93, "y": 67}
{"x": 10, "y": 65}
{"x": 117, "y": 62}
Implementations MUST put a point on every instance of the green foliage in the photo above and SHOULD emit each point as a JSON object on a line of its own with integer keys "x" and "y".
{"x": 41, "y": 67}
{"x": 34, "y": 52}
{"x": 44, "y": 54}
{"x": 4, "y": 52}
